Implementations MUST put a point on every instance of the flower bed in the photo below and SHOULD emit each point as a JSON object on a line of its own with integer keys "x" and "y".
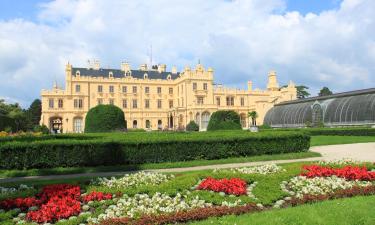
{"x": 22, "y": 187}
{"x": 233, "y": 186}
{"x": 263, "y": 169}
{"x": 53, "y": 203}
{"x": 133, "y": 180}
{"x": 347, "y": 172}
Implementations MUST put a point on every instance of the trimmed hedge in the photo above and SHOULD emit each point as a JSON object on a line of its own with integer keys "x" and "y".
{"x": 192, "y": 126}
{"x": 145, "y": 148}
{"x": 360, "y": 131}
{"x": 224, "y": 120}
{"x": 104, "y": 118}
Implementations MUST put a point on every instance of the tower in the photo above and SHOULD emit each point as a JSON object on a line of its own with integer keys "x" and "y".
{"x": 272, "y": 84}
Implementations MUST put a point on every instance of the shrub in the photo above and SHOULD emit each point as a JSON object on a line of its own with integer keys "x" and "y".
{"x": 349, "y": 131}
{"x": 224, "y": 120}
{"x": 192, "y": 126}
{"x": 104, "y": 118}
{"x": 138, "y": 148}
{"x": 42, "y": 129}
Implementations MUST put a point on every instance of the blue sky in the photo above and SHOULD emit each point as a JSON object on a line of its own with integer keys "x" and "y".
{"x": 316, "y": 43}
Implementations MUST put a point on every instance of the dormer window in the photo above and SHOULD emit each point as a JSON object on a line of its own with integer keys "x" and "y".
{"x": 169, "y": 77}
{"x": 78, "y": 73}
{"x": 128, "y": 74}
{"x": 145, "y": 76}
{"x": 110, "y": 74}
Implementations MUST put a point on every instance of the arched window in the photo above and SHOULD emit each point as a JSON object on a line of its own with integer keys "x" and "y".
{"x": 78, "y": 73}
{"x": 77, "y": 125}
{"x": 110, "y": 74}
{"x": 160, "y": 125}
{"x": 135, "y": 124}
{"x": 169, "y": 77}
{"x": 145, "y": 76}
{"x": 197, "y": 118}
{"x": 205, "y": 120}
{"x": 148, "y": 124}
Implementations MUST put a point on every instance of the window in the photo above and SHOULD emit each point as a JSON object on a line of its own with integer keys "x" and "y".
{"x": 77, "y": 125}
{"x": 159, "y": 104}
{"x": 124, "y": 103}
{"x": 100, "y": 101}
{"x": 160, "y": 125}
{"x": 147, "y": 90}
{"x": 200, "y": 100}
{"x": 170, "y": 91}
{"x": 100, "y": 88}
{"x": 159, "y": 90}
{"x": 148, "y": 124}
{"x": 111, "y": 101}
{"x": 135, "y": 105}
{"x": 230, "y": 101}
{"x": 170, "y": 104}
{"x": 135, "y": 124}
{"x": 218, "y": 101}
{"x": 134, "y": 89}
{"x": 51, "y": 103}
{"x": 147, "y": 103}
{"x": 194, "y": 86}
{"x": 78, "y": 88}
{"x": 60, "y": 103}
{"x": 205, "y": 86}
{"x": 124, "y": 89}
{"x": 242, "y": 101}
{"x": 78, "y": 103}
{"x": 111, "y": 89}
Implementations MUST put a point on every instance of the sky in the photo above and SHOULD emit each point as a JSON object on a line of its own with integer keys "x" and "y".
{"x": 315, "y": 43}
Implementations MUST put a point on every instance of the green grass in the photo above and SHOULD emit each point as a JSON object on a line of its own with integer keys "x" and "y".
{"x": 193, "y": 163}
{"x": 349, "y": 211}
{"x": 336, "y": 140}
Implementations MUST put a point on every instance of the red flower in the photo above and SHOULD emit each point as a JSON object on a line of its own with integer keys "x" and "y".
{"x": 347, "y": 172}
{"x": 96, "y": 196}
{"x": 234, "y": 186}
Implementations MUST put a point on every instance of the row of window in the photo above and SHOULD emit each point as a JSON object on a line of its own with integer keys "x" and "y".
{"x": 134, "y": 88}
{"x": 230, "y": 101}
{"x": 125, "y": 89}
{"x": 147, "y": 124}
{"x": 135, "y": 103}
{"x": 78, "y": 103}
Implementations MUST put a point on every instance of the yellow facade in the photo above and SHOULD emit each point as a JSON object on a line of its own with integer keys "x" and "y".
{"x": 153, "y": 98}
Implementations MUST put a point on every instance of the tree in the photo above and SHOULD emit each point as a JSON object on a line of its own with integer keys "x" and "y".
{"x": 34, "y": 113}
{"x": 325, "y": 91}
{"x": 302, "y": 91}
{"x": 224, "y": 120}
{"x": 253, "y": 115}
{"x": 104, "y": 118}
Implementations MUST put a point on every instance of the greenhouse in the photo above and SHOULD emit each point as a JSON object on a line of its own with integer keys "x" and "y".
{"x": 342, "y": 109}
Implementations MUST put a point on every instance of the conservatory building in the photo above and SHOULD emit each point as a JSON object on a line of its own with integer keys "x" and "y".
{"x": 342, "y": 109}
{"x": 152, "y": 97}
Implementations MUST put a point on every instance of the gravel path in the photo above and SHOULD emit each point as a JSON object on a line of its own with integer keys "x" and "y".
{"x": 360, "y": 151}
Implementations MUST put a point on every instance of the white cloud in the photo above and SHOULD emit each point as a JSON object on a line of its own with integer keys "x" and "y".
{"x": 240, "y": 39}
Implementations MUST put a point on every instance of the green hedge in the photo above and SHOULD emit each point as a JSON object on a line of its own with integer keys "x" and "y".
{"x": 104, "y": 118}
{"x": 350, "y": 131}
{"x": 147, "y": 148}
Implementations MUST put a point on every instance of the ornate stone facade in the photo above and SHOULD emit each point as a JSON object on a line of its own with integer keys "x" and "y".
{"x": 153, "y": 98}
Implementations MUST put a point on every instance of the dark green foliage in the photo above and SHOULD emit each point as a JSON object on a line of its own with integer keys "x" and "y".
{"x": 192, "y": 126}
{"x": 224, "y": 120}
{"x": 138, "y": 148}
{"x": 325, "y": 92}
{"x": 43, "y": 129}
{"x": 104, "y": 118}
{"x": 6, "y": 122}
{"x": 351, "y": 131}
{"x": 34, "y": 113}
{"x": 302, "y": 91}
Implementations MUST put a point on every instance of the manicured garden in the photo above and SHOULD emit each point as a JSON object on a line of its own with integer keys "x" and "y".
{"x": 156, "y": 198}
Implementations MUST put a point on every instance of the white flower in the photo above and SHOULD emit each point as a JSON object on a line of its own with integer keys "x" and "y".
{"x": 133, "y": 180}
{"x": 9, "y": 190}
{"x": 263, "y": 169}
{"x": 339, "y": 162}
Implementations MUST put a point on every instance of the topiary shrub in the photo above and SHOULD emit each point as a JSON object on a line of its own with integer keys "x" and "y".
{"x": 224, "y": 120}
{"x": 104, "y": 118}
{"x": 192, "y": 126}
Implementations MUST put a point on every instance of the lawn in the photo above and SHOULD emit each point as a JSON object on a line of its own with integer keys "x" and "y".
{"x": 350, "y": 211}
{"x": 336, "y": 140}
{"x": 137, "y": 194}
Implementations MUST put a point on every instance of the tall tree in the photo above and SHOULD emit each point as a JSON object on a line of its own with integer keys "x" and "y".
{"x": 302, "y": 91}
{"x": 34, "y": 113}
{"x": 325, "y": 91}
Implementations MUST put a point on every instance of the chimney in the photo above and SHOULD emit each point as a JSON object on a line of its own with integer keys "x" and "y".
{"x": 162, "y": 68}
{"x": 249, "y": 85}
{"x": 143, "y": 67}
{"x": 174, "y": 70}
{"x": 125, "y": 66}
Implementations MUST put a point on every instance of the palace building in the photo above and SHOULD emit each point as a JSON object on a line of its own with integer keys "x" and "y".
{"x": 153, "y": 98}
